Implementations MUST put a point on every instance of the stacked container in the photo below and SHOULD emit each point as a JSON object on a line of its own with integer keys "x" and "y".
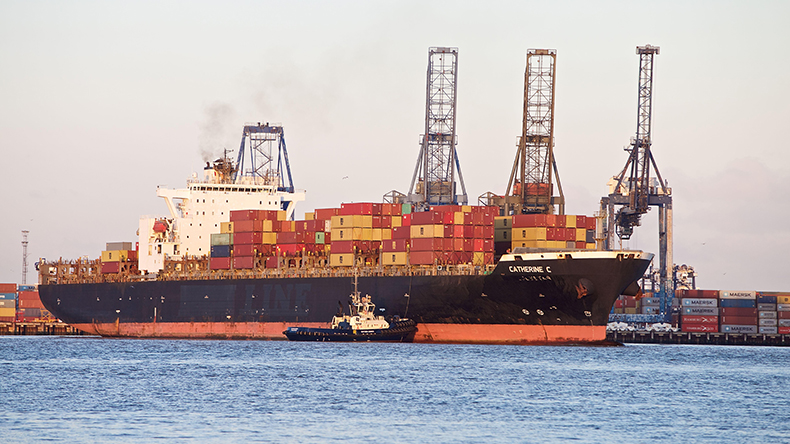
{"x": 7, "y": 302}
{"x": 782, "y": 309}
{"x": 767, "y": 316}
{"x": 699, "y": 311}
{"x": 31, "y": 308}
{"x": 118, "y": 257}
{"x": 738, "y": 312}
{"x": 544, "y": 231}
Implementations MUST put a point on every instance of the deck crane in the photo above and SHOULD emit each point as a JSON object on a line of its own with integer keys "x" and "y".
{"x": 530, "y": 188}
{"x": 258, "y": 158}
{"x": 437, "y": 175}
{"x": 635, "y": 190}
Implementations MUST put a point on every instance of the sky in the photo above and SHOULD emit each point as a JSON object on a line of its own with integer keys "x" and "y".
{"x": 101, "y": 102}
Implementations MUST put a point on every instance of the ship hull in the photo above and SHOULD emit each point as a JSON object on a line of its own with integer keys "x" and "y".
{"x": 551, "y": 301}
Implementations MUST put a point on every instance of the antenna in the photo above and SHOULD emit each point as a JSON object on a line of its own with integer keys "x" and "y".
{"x": 24, "y": 256}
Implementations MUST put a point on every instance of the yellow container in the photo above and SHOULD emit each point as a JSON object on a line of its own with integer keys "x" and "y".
{"x": 570, "y": 221}
{"x": 341, "y": 259}
{"x": 590, "y": 245}
{"x": 7, "y": 312}
{"x": 114, "y": 256}
{"x": 267, "y": 226}
{"x": 344, "y": 234}
{"x": 226, "y": 227}
{"x": 386, "y": 234}
{"x": 478, "y": 258}
{"x": 631, "y": 311}
{"x": 353, "y": 221}
{"x": 466, "y": 208}
{"x": 458, "y": 218}
{"x": 503, "y": 221}
{"x": 397, "y": 221}
{"x": 531, "y": 233}
{"x": 395, "y": 258}
{"x": 427, "y": 231}
{"x": 281, "y": 215}
{"x": 269, "y": 238}
{"x": 581, "y": 234}
{"x": 783, "y": 299}
{"x": 309, "y": 216}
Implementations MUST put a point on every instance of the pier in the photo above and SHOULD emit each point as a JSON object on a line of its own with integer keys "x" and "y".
{"x": 38, "y": 328}
{"x": 668, "y": 337}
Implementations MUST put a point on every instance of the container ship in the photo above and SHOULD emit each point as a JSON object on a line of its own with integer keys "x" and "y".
{"x": 231, "y": 262}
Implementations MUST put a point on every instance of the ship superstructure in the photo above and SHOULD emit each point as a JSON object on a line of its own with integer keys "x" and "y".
{"x": 197, "y": 210}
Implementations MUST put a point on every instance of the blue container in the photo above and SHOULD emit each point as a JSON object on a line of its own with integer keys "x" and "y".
{"x": 766, "y": 299}
{"x": 220, "y": 251}
{"x": 738, "y": 303}
{"x": 26, "y": 288}
{"x": 7, "y": 295}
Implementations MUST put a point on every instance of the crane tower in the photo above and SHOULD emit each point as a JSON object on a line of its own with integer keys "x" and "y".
{"x": 530, "y": 187}
{"x": 256, "y": 159}
{"x": 437, "y": 174}
{"x": 635, "y": 190}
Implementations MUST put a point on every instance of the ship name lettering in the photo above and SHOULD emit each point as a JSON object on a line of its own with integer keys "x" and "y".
{"x": 529, "y": 269}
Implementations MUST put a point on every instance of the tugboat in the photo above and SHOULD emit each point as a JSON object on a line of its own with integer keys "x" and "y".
{"x": 361, "y": 324}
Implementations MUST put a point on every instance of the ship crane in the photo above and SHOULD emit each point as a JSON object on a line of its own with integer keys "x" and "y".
{"x": 635, "y": 190}
{"x": 437, "y": 175}
{"x": 530, "y": 188}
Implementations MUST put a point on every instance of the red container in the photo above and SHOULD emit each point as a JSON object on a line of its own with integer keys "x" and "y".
{"x": 477, "y": 232}
{"x": 37, "y": 303}
{"x": 386, "y": 222}
{"x": 581, "y": 221}
{"x": 342, "y": 247}
{"x": 244, "y": 226}
{"x": 247, "y": 238}
{"x": 219, "y": 263}
{"x": 469, "y": 246}
{"x": 581, "y": 245}
{"x": 488, "y": 231}
{"x": 699, "y": 328}
{"x": 271, "y": 262}
{"x": 243, "y": 262}
{"x": 110, "y": 267}
{"x": 364, "y": 208}
{"x": 484, "y": 245}
{"x": 28, "y": 295}
{"x": 737, "y": 311}
{"x": 401, "y": 233}
{"x": 291, "y": 237}
{"x": 265, "y": 249}
{"x": 427, "y": 244}
{"x": 469, "y": 231}
{"x": 784, "y": 330}
{"x": 7, "y": 318}
{"x": 422, "y": 257}
{"x": 405, "y": 220}
{"x": 394, "y": 245}
{"x": 244, "y": 250}
{"x": 697, "y": 294}
{"x": 738, "y": 320}
{"x": 446, "y": 208}
{"x": 240, "y": 215}
{"x": 783, "y": 314}
{"x": 427, "y": 218}
{"x": 7, "y": 288}
{"x": 458, "y": 231}
{"x": 326, "y": 213}
{"x": 700, "y": 319}
{"x": 458, "y": 244}
{"x": 589, "y": 223}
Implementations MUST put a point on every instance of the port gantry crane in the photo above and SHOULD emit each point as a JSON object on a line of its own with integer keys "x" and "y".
{"x": 531, "y": 183}
{"x": 634, "y": 190}
{"x": 437, "y": 174}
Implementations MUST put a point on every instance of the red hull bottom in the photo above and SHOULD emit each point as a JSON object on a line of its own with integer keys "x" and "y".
{"x": 426, "y": 333}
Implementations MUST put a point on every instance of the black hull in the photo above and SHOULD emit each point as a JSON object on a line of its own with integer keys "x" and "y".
{"x": 562, "y": 292}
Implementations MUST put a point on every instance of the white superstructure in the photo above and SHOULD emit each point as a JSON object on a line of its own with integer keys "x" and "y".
{"x": 197, "y": 211}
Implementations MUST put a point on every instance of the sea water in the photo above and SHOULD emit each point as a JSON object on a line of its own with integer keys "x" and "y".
{"x": 83, "y": 389}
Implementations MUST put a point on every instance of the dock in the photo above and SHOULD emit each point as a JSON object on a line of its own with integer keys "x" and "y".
{"x": 38, "y": 328}
{"x": 668, "y": 337}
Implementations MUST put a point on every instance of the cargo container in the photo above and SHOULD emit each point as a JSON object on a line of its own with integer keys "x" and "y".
{"x": 394, "y": 258}
{"x": 700, "y": 319}
{"x": 749, "y": 329}
{"x": 699, "y": 328}
{"x": 221, "y": 239}
{"x": 7, "y": 288}
{"x": 110, "y": 267}
{"x": 737, "y": 294}
{"x": 738, "y": 311}
{"x": 118, "y": 246}
{"x": 219, "y": 263}
{"x": 221, "y": 250}
{"x": 740, "y": 303}
{"x": 243, "y": 262}
{"x": 768, "y": 330}
{"x": 341, "y": 259}
{"x": 699, "y": 302}
{"x": 701, "y": 311}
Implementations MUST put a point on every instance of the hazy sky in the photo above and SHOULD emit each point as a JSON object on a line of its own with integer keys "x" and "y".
{"x": 100, "y": 102}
